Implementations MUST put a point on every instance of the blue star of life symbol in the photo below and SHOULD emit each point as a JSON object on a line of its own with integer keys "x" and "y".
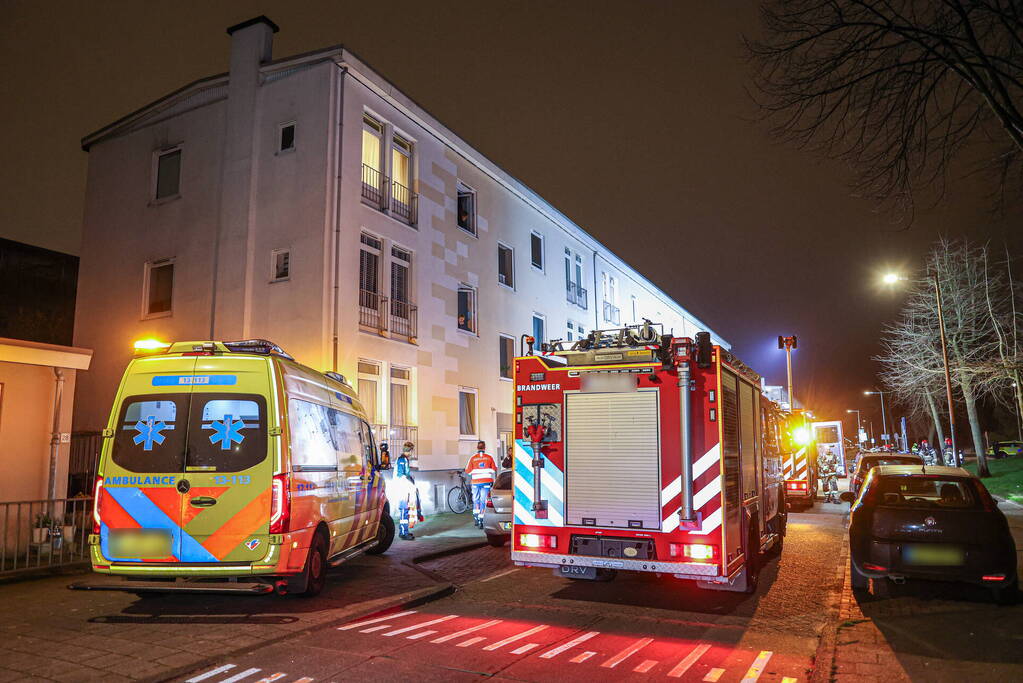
{"x": 149, "y": 433}
{"x": 227, "y": 431}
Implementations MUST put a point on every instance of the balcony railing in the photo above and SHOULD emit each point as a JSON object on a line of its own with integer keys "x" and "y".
{"x": 395, "y": 436}
{"x": 372, "y": 311}
{"x": 404, "y": 203}
{"x": 404, "y": 319}
{"x": 576, "y": 295}
{"x": 374, "y": 183}
{"x": 611, "y": 313}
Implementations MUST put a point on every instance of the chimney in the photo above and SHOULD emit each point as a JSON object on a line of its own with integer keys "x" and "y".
{"x": 251, "y": 45}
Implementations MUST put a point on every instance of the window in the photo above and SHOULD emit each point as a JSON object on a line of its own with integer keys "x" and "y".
{"x": 400, "y": 380}
{"x": 538, "y": 328}
{"x": 286, "y": 137}
{"x": 369, "y": 387}
{"x": 536, "y": 250}
{"x": 635, "y": 316}
{"x": 401, "y": 164}
{"x": 401, "y": 262}
{"x": 159, "y": 287}
{"x": 574, "y": 290}
{"x": 610, "y": 287}
{"x": 314, "y": 435}
{"x": 507, "y": 353}
{"x": 467, "y": 308}
{"x": 466, "y": 208}
{"x": 168, "y": 174}
{"x": 506, "y": 265}
{"x": 369, "y": 272}
{"x": 568, "y": 337}
{"x": 467, "y": 413}
{"x": 372, "y": 169}
{"x": 280, "y": 265}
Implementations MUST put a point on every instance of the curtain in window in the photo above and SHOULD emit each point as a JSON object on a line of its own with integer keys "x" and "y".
{"x": 399, "y": 404}
{"x": 371, "y": 150}
{"x": 467, "y": 413}
{"x": 400, "y": 168}
{"x": 368, "y": 397}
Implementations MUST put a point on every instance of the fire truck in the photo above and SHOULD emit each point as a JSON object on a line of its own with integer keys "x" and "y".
{"x": 641, "y": 451}
{"x": 799, "y": 459}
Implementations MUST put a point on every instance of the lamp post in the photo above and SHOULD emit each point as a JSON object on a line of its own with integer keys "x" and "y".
{"x": 884, "y": 420}
{"x": 858, "y": 428}
{"x": 788, "y": 343}
{"x": 892, "y": 278}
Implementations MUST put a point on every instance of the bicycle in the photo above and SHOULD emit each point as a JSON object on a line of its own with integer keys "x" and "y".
{"x": 460, "y": 497}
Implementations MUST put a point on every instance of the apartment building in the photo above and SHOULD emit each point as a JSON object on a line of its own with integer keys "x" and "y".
{"x": 308, "y": 201}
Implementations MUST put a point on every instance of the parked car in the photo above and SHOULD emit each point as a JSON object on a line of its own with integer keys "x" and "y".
{"x": 869, "y": 461}
{"x": 1004, "y": 449}
{"x": 497, "y": 518}
{"x": 936, "y": 523}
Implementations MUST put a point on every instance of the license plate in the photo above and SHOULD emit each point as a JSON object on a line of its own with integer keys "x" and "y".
{"x": 578, "y": 572}
{"x": 933, "y": 555}
{"x": 506, "y": 526}
{"x": 140, "y": 544}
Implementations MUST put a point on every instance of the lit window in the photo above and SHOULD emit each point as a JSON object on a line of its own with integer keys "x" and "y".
{"x": 372, "y": 170}
{"x": 507, "y": 353}
{"x": 536, "y": 250}
{"x": 467, "y": 308}
{"x": 168, "y": 174}
{"x": 400, "y": 381}
{"x": 505, "y": 265}
{"x": 369, "y": 387}
{"x": 467, "y": 413}
{"x": 159, "y": 286}
{"x": 466, "y": 208}
{"x": 280, "y": 264}
{"x": 401, "y": 163}
{"x": 286, "y": 139}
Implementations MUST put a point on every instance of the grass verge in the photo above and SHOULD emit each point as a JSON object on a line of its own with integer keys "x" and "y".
{"x": 1006, "y": 478}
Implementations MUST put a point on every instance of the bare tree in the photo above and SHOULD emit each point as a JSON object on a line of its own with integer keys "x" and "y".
{"x": 896, "y": 87}
{"x": 1006, "y": 321}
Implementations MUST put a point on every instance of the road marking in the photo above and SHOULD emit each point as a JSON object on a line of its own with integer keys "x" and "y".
{"x": 645, "y": 666}
{"x": 416, "y": 627}
{"x": 243, "y": 674}
{"x": 271, "y": 679}
{"x": 304, "y": 680}
{"x": 471, "y": 641}
{"x": 689, "y": 660}
{"x": 526, "y": 648}
{"x": 421, "y": 634}
{"x": 466, "y": 631}
{"x": 551, "y": 654}
{"x": 211, "y": 673}
{"x": 357, "y": 624}
{"x": 511, "y": 639}
{"x": 713, "y": 675}
{"x": 500, "y": 574}
{"x": 612, "y": 662}
{"x": 788, "y": 679}
{"x": 579, "y": 659}
{"x": 757, "y": 667}
{"x": 371, "y": 629}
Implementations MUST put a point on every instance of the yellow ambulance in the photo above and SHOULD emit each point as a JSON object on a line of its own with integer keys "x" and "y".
{"x": 227, "y": 466}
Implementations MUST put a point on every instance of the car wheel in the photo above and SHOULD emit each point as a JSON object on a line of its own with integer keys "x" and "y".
{"x": 497, "y": 540}
{"x": 857, "y": 581}
{"x": 1001, "y": 454}
{"x": 385, "y": 535}
{"x": 316, "y": 567}
{"x": 1006, "y": 595}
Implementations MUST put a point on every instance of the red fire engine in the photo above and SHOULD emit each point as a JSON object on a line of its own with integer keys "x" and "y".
{"x": 645, "y": 452}
{"x": 799, "y": 459}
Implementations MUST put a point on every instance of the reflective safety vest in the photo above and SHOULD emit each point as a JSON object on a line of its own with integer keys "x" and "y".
{"x": 482, "y": 469}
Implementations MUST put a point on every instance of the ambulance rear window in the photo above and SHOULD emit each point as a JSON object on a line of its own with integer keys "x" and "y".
{"x": 226, "y": 433}
{"x": 150, "y": 433}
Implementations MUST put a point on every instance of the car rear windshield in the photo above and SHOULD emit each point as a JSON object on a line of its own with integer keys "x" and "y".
{"x": 503, "y": 480}
{"x": 888, "y": 460}
{"x": 925, "y": 492}
{"x": 216, "y": 432}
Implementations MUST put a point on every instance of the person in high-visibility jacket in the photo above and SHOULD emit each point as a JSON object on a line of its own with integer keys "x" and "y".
{"x": 482, "y": 469}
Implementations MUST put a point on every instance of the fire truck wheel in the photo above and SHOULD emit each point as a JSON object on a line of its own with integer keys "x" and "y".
{"x": 753, "y": 560}
{"x": 496, "y": 540}
{"x": 385, "y": 535}
{"x": 316, "y": 567}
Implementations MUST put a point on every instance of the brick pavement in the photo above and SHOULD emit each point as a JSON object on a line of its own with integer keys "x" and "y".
{"x": 49, "y": 633}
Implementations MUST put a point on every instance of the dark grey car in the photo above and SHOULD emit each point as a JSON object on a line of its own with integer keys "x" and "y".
{"x": 497, "y": 517}
{"x": 938, "y": 523}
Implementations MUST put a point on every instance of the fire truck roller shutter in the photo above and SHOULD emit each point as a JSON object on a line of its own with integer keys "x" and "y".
{"x": 612, "y": 460}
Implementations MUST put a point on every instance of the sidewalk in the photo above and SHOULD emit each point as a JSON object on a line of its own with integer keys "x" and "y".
{"x": 48, "y": 632}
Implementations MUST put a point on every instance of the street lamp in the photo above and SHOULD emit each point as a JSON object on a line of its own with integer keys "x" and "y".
{"x": 859, "y": 429}
{"x": 892, "y": 278}
{"x": 788, "y": 343}
{"x": 884, "y": 420}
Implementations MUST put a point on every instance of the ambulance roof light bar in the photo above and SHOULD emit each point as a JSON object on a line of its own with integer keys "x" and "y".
{"x": 260, "y": 346}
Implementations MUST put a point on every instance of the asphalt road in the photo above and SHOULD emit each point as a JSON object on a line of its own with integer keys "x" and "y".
{"x": 529, "y": 625}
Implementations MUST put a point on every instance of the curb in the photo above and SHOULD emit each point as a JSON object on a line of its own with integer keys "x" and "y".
{"x": 1007, "y": 501}
{"x": 409, "y": 599}
{"x": 824, "y": 657}
{"x": 446, "y": 552}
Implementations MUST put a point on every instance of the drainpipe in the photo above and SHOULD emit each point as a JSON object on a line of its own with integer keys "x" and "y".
{"x": 55, "y": 437}
{"x": 685, "y": 513}
{"x": 596, "y": 313}
{"x": 335, "y": 313}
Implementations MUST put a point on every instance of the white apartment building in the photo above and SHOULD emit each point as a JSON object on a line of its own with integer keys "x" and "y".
{"x": 308, "y": 201}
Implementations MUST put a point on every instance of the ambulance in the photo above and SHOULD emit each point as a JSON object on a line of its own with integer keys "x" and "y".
{"x": 229, "y": 467}
{"x": 640, "y": 451}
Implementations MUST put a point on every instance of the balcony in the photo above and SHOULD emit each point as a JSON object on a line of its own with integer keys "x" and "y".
{"x": 400, "y": 319}
{"x": 395, "y": 436}
{"x": 373, "y": 311}
{"x": 404, "y": 320}
{"x": 389, "y": 196}
{"x": 611, "y": 313}
{"x": 576, "y": 295}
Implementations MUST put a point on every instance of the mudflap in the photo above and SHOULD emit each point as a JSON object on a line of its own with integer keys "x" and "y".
{"x": 297, "y": 583}
{"x": 585, "y": 573}
{"x": 737, "y": 584}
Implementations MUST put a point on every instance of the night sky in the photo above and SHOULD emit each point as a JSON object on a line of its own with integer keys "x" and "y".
{"x": 632, "y": 118}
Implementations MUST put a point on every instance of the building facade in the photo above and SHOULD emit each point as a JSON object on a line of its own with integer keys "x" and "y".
{"x": 308, "y": 201}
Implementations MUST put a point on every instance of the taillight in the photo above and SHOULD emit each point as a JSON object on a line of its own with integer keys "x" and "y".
{"x": 96, "y": 491}
{"x": 993, "y": 577}
{"x": 280, "y": 503}
{"x": 874, "y": 567}
{"x": 693, "y": 552}
{"x": 538, "y": 541}
{"x": 795, "y": 485}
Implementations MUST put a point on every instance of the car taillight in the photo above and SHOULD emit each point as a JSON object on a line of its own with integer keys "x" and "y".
{"x": 280, "y": 503}
{"x": 874, "y": 567}
{"x": 490, "y": 503}
{"x": 96, "y": 490}
{"x": 993, "y": 577}
{"x": 538, "y": 541}
{"x": 694, "y": 552}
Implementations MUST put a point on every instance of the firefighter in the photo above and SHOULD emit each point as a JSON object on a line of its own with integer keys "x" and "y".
{"x": 407, "y": 494}
{"x": 481, "y": 469}
{"x": 827, "y": 470}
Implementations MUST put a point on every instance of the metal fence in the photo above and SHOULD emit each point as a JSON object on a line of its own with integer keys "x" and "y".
{"x": 396, "y": 435}
{"x": 404, "y": 203}
{"x": 371, "y": 306}
{"x": 44, "y": 533}
{"x": 83, "y": 462}
{"x": 404, "y": 319}
{"x": 373, "y": 184}
{"x": 576, "y": 295}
